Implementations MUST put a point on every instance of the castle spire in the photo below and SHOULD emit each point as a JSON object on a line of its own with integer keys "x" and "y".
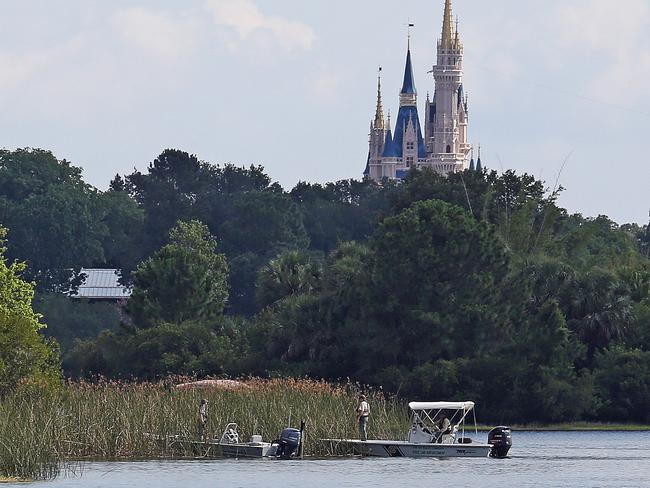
{"x": 408, "y": 95}
{"x": 380, "y": 122}
{"x": 408, "y": 87}
{"x": 447, "y": 34}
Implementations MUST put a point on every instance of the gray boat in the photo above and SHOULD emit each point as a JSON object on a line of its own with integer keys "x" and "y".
{"x": 229, "y": 445}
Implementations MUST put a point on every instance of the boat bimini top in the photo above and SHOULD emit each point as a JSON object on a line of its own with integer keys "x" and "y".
{"x": 441, "y": 406}
{"x": 430, "y": 424}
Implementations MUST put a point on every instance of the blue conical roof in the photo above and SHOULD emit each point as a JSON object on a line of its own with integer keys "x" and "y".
{"x": 389, "y": 148}
{"x": 405, "y": 115}
{"x": 409, "y": 81}
{"x": 472, "y": 166}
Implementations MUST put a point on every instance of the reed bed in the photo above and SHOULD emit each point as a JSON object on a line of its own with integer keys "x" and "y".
{"x": 114, "y": 420}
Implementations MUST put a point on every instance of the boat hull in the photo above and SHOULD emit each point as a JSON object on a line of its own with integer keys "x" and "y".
{"x": 215, "y": 449}
{"x": 381, "y": 448}
{"x": 245, "y": 450}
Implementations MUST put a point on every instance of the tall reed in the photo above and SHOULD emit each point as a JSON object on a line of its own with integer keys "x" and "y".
{"x": 114, "y": 420}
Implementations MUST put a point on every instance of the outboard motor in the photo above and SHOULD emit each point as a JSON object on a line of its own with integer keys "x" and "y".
{"x": 501, "y": 440}
{"x": 288, "y": 443}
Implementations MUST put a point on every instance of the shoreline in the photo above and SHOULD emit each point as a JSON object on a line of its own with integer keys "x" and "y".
{"x": 574, "y": 427}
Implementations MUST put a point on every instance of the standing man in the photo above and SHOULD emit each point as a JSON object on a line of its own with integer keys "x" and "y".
{"x": 363, "y": 412}
{"x": 202, "y": 419}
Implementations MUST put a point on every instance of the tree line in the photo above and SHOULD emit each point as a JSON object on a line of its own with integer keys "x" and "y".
{"x": 474, "y": 285}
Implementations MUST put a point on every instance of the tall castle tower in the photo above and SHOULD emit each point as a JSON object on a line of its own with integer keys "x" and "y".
{"x": 380, "y": 135}
{"x": 444, "y": 146}
{"x": 447, "y": 114}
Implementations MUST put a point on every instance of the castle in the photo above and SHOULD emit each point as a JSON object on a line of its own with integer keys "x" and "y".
{"x": 443, "y": 146}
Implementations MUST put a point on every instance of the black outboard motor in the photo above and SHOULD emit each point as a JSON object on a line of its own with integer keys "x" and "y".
{"x": 501, "y": 440}
{"x": 288, "y": 443}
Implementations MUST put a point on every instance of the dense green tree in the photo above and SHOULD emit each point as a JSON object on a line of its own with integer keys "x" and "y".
{"x": 270, "y": 216}
{"x": 623, "y": 385}
{"x": 27, "y": 172}
{"x": 640, "y": 339}
{"x": 58, "y": 234}
{"x": 53, "y": 216}
{"x": 291, "y": 273}
{"x": 519, "y": 206}
{"x": 26, "y": 359}
{"x": 255, "y": 227}
{"x": 599, "y": 310}
{"x": 436, "y": 286}
{"x": 468, "y": 190}
{"x": 254, "y": 219}
{"x": 347, "y": 210}
{"x": 316, "y": 332}
{"x": 546, "y": 386}
{"x": 68, "y": 318}
{"x": 190, "y": 348}
{"x": 597, "y": 242}
{"x": 184, "y": 281}
{"x": 122, "y": 241}
{"x": 168, "y": 192}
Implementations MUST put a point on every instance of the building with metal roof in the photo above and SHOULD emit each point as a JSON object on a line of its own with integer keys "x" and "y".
{"x": 101, "y": 284}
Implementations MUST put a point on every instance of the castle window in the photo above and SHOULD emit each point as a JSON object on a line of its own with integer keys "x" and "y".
{"x": 448, "y": 149}
{"x": 409, "y": 161}
{"x": 410, "y": 146}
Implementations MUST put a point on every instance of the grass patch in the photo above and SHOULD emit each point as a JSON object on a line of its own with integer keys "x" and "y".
{"x": 112, "y": 420}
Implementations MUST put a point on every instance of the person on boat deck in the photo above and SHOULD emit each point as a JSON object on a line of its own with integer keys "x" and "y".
{"x": 444, "y": 428}
{"x": 202, "y": 419}
{"x": 363, "y": 412}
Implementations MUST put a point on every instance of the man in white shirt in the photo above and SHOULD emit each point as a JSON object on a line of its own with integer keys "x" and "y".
{"x": 363, "y": 412}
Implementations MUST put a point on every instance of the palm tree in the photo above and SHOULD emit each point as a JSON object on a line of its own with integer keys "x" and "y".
{"x": 599, "y": 310}
{"x": 289, "y": 274}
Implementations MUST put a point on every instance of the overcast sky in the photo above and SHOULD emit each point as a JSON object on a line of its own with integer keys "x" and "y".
{"x": 290, "y": 84}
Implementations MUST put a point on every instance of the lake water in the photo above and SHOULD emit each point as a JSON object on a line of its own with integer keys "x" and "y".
{"x": 546, "y": 459}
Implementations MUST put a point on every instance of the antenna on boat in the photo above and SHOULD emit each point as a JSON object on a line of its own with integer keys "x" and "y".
{"x": 289, "y": 424}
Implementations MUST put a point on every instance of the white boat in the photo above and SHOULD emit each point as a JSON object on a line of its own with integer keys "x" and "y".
{"x": 437, "y": 430}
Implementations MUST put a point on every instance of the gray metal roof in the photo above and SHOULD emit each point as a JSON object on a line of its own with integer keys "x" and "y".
{"x": 102, "y": 284}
